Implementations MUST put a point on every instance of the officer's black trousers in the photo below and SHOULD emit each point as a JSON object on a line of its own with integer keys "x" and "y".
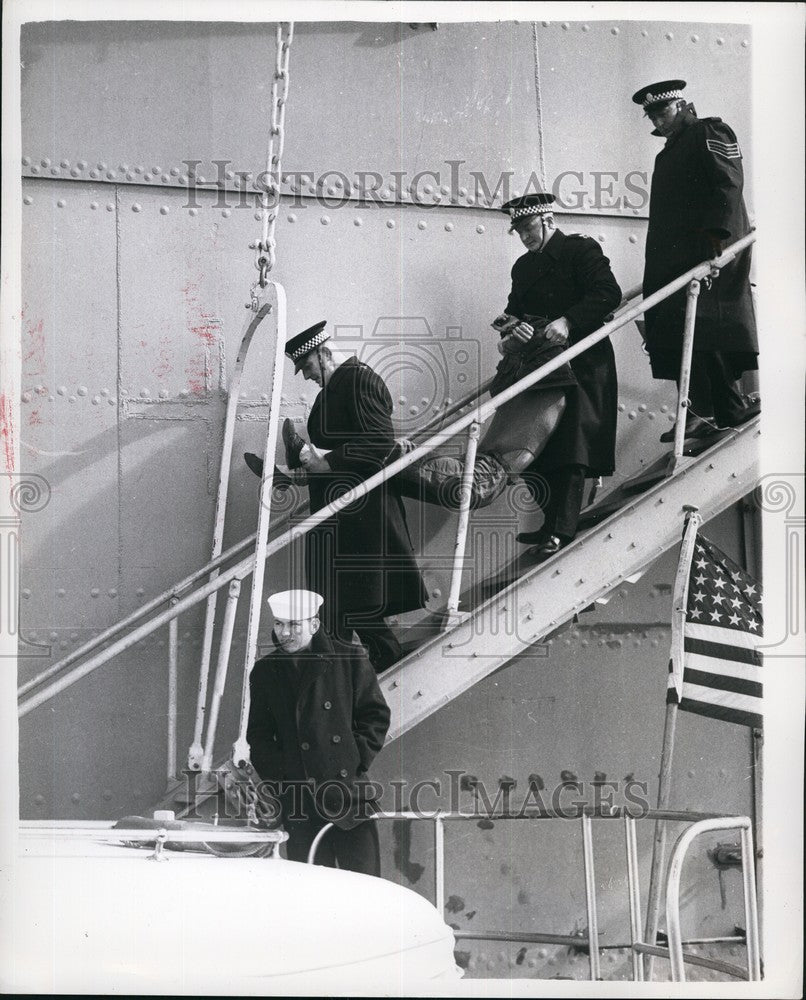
{"x": 355, "y": 850}
{"x": 714, "y": 389}
{"x": 377, "y": 638}
{"x": 559, "y": 494}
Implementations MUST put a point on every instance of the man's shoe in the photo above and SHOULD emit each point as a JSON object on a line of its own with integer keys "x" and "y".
{"x": 254, "y": 463}
{"x": 532, "y": 537}
{"x": 551, "y": 546}
{"x": 280, "y": 480}
{"x": 696, "y": 427}
{"x": 293, "y": 444}
{"x": 750, "y": 411}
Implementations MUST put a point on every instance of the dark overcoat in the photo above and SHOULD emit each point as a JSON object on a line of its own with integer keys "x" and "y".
{"x": 571, "y": 277}
{"x": 362, "y": 560}
{"x": 697, "y": 186}
{"x": 318, "y": 715}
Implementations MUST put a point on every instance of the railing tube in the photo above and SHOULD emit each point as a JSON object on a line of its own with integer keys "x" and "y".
{"x": 439, "y": 864}
{"x": 173, "y": 680}
{"x": 590, "y": 898}
{"x": 685, "y": 372}
{"x": 634, "y": 894}
{"x": 685, "y": 840}
{"x": 224, "y": 647}
{"x": 466, "y": 495}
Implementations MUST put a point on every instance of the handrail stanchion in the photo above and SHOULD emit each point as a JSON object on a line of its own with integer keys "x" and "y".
{"x": 173, "y": 673}
{"x": 590, "y": 898}
{"x": 240, "y": 748}
{"x": 452, "y": 615}
{"x": 741, "y": 823}
{"x": 224, "y": 647}
{"x": 692, "y": 295}
{"x": 439, "y": 863}
{"x": 634, "y": 894}
{"x": 261, "y": 307}
{"x": 750, "y": 904}
{"x": 317, "y": 840}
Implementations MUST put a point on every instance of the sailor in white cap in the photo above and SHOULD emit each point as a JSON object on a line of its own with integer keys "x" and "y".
{"x": 296, "y": 618}
{"x": 317, "y": 718}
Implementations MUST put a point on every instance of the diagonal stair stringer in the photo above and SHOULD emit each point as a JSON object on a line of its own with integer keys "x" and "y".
{"x": 547, "y": 596}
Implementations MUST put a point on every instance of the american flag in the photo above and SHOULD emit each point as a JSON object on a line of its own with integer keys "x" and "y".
{"x": 723, "y": 623}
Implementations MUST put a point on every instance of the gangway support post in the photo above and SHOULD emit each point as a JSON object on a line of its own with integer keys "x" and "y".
{"x": 692, "y": 296}
{"x": 276, "y": 294}
{"x": 453, "y": 616}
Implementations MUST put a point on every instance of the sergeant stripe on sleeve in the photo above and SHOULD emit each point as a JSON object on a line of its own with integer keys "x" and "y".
{"x": 730, "y": 150}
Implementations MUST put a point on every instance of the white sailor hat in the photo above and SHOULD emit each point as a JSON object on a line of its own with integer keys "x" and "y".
{"x": 659, "y": 93}
{"x": 295, "y": 605}
{"x": 303, "y": 343}
{"x": 527, "y": 205}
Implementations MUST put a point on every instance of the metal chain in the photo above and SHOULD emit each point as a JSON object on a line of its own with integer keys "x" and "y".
{"x": 270, "y": 198}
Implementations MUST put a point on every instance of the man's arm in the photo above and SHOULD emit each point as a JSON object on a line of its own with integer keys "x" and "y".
{"x": 373, "y": 406}
{"x": 370, "y": 712}
{"x": 601, "y": 293}
{"x": 261, "y": 733}
{"x": 722, "y": 160}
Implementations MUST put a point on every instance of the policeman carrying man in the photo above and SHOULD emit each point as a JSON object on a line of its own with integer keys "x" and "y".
{"x": 317, "y": 719}
{"x": 696, "y": 207}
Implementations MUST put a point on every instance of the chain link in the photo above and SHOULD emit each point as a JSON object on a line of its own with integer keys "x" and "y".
{"x": 270, "y": 198}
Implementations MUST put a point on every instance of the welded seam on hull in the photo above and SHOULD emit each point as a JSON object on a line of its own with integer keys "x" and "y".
{"x": 539, "y": 108}
{"x": 119, "y": 383}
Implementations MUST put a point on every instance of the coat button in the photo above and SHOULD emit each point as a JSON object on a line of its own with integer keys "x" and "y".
{"x": 326, "y": 705}
{"x": 343, "y": 772}
{"x": 335, "y": 739}
{"x": 305, "y": 746}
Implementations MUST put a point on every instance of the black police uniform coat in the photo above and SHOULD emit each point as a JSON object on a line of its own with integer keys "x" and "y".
{"x": 318, "y": 715}
{"x": 697, "y": 185}
{"x": 571, "y": 277}
{"x": 362, "y": 559}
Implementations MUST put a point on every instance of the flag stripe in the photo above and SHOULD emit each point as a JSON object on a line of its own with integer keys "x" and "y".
{"x": 721, "y": 682}
{"x": 730, "y": 636}
{"x": 723, "y": 668}
{"x": 718, "y": 712}
{"x": 721, "y": 650}
{"x": 727, "y": 699}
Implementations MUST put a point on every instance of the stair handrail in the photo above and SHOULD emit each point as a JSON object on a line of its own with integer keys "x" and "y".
{"x": 172, "y": 593}
{"x": 476, "y": 415}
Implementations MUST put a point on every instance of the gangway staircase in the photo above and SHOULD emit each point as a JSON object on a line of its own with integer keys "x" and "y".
{"x": 497, "y": 618}
{"x": 524, "y": 603}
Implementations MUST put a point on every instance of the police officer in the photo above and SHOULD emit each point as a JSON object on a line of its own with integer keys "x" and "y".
{"x": 562, "y": 290}
{"x": 697, "y": 207}
{"x": 362, "y": 559}
{"x": 317, "y": 718}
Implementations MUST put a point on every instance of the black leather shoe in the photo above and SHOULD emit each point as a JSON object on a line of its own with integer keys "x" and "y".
{"x": 752, "y": 410}
{"x": 280, "y": 480}
{"x": 293, "y": 444}
{"x": 551, "y": 546}
{"x": 254, "y": 463}
{"x": 696, "y": 428}
{"x": 532, "y": 537}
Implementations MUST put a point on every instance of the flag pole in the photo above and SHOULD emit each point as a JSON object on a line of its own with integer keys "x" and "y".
{"x": 679, "y": 603}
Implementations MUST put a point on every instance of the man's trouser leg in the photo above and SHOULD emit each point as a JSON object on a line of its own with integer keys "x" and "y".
{"x": 380, "y": 643}
{"x": 559, "y": 494}
{"x": 728, "y": 401}
{"x": 358, "y": 849}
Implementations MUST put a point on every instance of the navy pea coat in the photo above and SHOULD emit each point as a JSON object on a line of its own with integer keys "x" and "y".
{"x": 697, "y": 185}
{"x": 571, "y": 277}
{"x": 362, "y": 559}
{"x": 318, "y": 715}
